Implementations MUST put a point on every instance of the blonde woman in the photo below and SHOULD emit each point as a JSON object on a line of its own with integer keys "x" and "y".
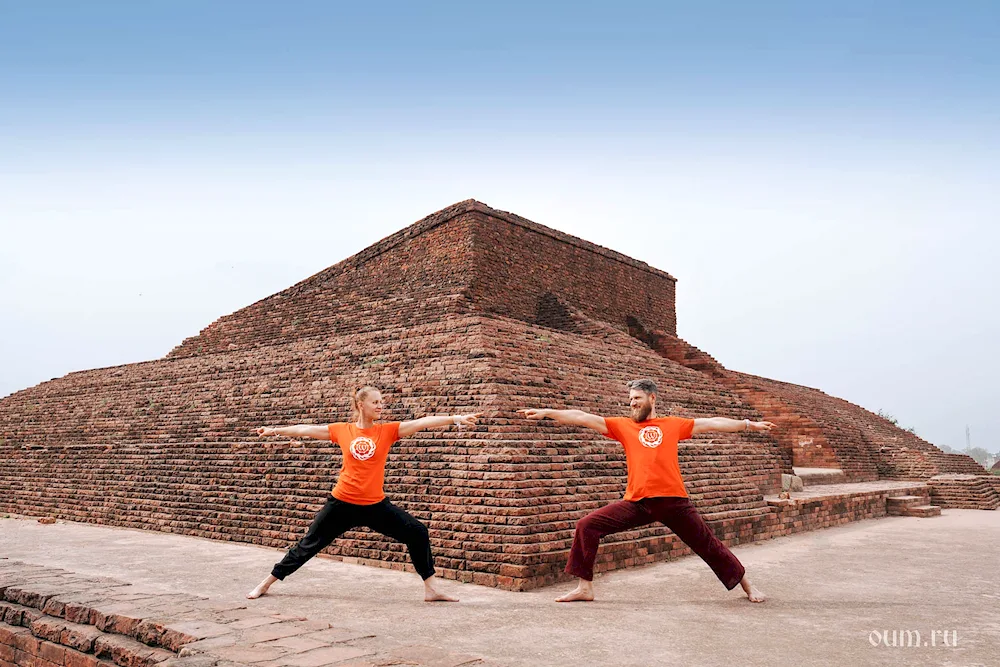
{"x": 357, "y": 499}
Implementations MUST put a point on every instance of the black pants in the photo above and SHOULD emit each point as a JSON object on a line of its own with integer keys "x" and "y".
{"x": 338, "y": 517}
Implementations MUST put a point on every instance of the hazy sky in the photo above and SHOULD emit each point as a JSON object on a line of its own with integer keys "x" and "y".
{"x": 822, "y": 178}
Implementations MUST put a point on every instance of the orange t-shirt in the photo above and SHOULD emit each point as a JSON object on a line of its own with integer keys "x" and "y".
{"x": 651, "y": 454}
{"x": 365, "y": 451}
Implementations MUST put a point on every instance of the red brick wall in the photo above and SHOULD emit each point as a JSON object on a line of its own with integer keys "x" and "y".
{"x": 168, "y": 445}
{"x": 520, "y": 265}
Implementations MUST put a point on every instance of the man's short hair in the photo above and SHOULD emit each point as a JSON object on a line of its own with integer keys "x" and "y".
{"x": 645, "y": 385}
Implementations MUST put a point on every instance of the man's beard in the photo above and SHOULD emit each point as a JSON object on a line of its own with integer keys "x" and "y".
{"x": 641, "y": 413}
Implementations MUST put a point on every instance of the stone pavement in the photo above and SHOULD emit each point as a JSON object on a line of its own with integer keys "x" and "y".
{"x": 834, "y": 594}
{"x": 50, "y": 617}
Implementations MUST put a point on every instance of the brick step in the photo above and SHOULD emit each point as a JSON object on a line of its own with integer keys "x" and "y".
{"x": 923, "y": 511}
{"x": 97, "y": 615}
{"x": 215, "y": 635}
{"x": 98, "y": 622}
{"x": 904, "y": 501}
{"x": 61, "y": 642}
{"x": 762, "y": 510}
{"x": 900, "y": 505}
{"x": 818, "y": 476}
{"x": 963, "y": 491}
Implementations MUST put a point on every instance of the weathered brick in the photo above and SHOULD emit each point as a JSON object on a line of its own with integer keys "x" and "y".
{"x": 78, "y": 659}
{"x": 31, "y": 660}
{"x": 6, "y": 654}
{"x": 48, "y": 628}
{"x": 127, "y": 652}
{"x": 26, "y": 642}
{"x": 53, "y": 652}
{"x": 177, "y": 635}
{"x": 80, "y": 637}
{"x": 193, "y": 661}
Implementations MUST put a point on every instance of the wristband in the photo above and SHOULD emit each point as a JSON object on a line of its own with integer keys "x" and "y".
{"x": 748, "y": 426}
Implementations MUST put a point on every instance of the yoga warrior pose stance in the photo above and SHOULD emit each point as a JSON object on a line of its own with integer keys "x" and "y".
{"x": 655, "y": 491}
{"x": 357, "y": 499}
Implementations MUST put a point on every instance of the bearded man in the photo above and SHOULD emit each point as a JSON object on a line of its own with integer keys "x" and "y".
{"x": 655, "y": 490}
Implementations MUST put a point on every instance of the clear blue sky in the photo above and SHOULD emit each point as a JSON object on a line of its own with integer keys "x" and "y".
{"x": 127, "y": 70}
{"x": 821, "y": 177}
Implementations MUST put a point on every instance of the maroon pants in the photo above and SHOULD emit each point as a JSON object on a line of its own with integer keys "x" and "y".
{"x": 677, "y": 514}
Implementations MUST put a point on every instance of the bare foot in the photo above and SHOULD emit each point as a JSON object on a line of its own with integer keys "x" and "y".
{"x": 434, "y": 596}
{"x": 584, "y": 592}
{"x": 431, "y": 594}
{"x": 261, "y": 588}
{"x": 754, "y": 594}
{"x": 257, "y": 592}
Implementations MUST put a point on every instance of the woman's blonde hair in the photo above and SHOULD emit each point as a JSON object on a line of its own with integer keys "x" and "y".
{"x": 357, "y": 396}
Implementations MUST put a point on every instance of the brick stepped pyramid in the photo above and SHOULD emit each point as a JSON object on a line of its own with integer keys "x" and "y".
{"x": 53, "y": 618}
{"x": 470, "y": 309}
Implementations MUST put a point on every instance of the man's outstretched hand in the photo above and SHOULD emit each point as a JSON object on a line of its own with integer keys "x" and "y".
{"x": 534, "y": 413}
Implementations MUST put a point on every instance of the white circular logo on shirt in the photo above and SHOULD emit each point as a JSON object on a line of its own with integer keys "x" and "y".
{"x": 651, "y": 437}
{"x": 362, "y": 448}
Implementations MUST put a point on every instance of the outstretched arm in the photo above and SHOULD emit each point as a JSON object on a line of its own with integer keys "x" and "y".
{"x": 726, "y": 425}
{"x": 406, "y": 429}
{"x": 315, "y": 431}
{"x": 572, "y": 417}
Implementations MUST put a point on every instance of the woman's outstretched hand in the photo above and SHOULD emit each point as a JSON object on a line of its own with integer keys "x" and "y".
{"x": 761, "y": 426}
{"x": 467, "y": 420}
